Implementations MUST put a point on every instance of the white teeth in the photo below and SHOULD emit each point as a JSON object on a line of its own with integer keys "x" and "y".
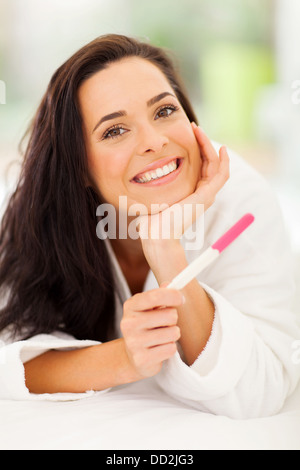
{"x": 166, "y": 169}
{"x": 158, "y": 173}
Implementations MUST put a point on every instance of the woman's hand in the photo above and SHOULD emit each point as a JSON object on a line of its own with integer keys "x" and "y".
{"x": 214, "y": 171}
{"x": 149, "y": 328}
{"x": 213, "y": 175}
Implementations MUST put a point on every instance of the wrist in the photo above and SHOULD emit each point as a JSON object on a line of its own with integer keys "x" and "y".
{"x": 161, "y": 245}
{"x": 166, "y": 258}
{"x": 129, "y": 373}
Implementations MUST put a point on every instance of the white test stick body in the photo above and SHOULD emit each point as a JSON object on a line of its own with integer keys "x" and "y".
{"x": 211, "y": 254}
{"x": 195, "y": 268}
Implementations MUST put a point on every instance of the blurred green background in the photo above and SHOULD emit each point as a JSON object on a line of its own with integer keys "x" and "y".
{"x": 239, "y": 59}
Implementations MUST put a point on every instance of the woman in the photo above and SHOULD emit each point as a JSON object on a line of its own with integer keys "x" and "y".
{"x": 115, "y": 124}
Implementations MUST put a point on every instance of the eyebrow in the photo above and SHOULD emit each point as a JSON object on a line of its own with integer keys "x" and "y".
{"x": 121, "y": 113}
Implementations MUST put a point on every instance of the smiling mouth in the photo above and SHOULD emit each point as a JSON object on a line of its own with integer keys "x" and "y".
{"x": 158, "y": 173}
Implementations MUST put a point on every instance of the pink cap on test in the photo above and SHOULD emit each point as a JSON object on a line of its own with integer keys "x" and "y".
{"x": 233, "y": 233}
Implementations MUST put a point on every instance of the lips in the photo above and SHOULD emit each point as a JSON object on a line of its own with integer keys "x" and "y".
{"x": 157, "y": 170}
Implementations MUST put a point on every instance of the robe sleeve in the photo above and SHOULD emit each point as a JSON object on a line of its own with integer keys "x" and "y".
{"x": 13, "y": 356}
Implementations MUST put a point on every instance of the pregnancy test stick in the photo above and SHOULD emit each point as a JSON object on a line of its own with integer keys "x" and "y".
{"x": 211, "y": 254}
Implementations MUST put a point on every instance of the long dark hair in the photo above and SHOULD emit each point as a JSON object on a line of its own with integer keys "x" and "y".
{"x": 55, "y": 274}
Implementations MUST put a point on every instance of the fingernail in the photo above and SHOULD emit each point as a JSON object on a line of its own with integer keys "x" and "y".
{"x": 183, "y": 299}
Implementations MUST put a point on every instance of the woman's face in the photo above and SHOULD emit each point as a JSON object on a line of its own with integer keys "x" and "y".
{"x": 136, "y": 130}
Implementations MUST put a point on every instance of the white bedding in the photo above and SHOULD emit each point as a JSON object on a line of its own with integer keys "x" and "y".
{"x": 140, "y": 416}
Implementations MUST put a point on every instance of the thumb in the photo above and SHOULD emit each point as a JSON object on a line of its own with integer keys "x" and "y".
{"x": 164, "y": 284}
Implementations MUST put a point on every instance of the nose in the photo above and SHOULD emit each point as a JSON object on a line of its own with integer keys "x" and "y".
{"x": 151, "y": 140}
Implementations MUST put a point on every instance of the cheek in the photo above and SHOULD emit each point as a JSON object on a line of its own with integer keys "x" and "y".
{"x": 106, "y": 168}
{"x": 182, "y": 132}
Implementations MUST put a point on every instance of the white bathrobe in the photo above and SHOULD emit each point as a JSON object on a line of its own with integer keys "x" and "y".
{"x": 246, "y": 369}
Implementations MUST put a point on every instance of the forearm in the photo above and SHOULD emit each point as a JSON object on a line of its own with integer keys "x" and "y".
{"x": 195, "y": 320}
{"x": 196, "y": 315}
{"x": 94, "y": 368}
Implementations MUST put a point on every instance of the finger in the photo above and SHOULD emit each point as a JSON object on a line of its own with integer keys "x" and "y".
{"x": 161, "y": 318}
{"x": 156, "y": 298}
{"x": 208, "y": 190}
{"x": 205, "y": 144}
{"x": 160, "y": 336}
{"x": 161, "y": 353}
{"x": 223, "y": 172}
{"x": 164, "y": 284}
{"x": 208, "y": 153}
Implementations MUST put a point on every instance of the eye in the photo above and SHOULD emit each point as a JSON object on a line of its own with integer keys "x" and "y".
{"x": 113, "y": 132}
{"x": 166, "y": 111}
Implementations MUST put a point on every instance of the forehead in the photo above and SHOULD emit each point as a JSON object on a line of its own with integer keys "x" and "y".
{"x": 123, "y": 83}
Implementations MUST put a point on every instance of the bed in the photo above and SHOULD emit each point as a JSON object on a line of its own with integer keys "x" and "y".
{"x": 140, "y": 416}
